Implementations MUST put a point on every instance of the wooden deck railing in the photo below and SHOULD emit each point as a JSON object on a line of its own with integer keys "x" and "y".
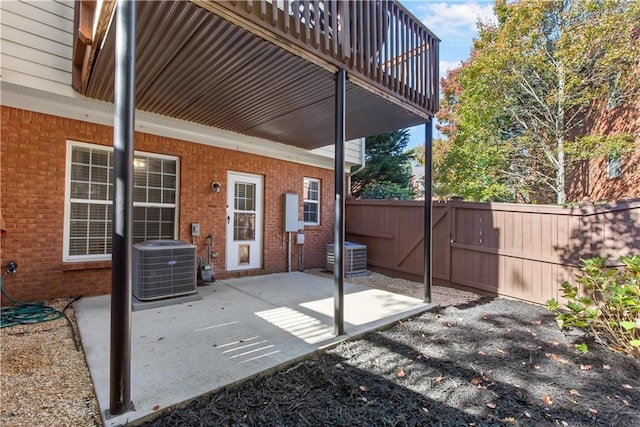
{"x": 379, "y": 43}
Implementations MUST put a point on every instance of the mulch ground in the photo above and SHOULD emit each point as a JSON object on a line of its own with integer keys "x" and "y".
{"x": 490, "y": 362}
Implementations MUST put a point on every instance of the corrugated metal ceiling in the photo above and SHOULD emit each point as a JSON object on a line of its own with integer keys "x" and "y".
{"x": 194, "y": 66}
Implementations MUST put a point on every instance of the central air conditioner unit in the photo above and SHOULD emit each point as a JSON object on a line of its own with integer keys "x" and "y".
{"x": 354, "y": 255}
{"x": 163, "y": 269}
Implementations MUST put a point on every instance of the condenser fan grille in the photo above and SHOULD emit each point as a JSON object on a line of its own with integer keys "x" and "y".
{"x": 163, "y": 269}
{"x": 355, "y": 258}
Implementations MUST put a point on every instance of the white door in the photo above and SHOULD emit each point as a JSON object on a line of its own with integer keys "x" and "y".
{"x": 244, "y": 221}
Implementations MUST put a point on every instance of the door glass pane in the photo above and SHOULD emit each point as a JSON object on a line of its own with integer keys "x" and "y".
{"x": 244, "y": 226}
{"x": 244, "y": 196}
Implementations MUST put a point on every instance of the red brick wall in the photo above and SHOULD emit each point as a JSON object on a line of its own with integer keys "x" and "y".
{"x": 32, "y": 184}
{"x": 590, "y": 179}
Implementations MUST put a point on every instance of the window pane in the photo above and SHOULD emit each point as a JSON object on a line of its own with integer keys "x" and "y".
{"x": 169, "y": 182}
{"x": 155, "y": 180}
{"x": 98, "y": 212}
{"x": 245, "y": 196}
{"x": 139, "y": 194}
{"x": 78, "y": 247}
{"x": 152, "y": 223}
{"x": 81, "y": 155}
{"x": 311, "y": 206}
{"x": 78, "y": 229}
{"x": 169, "y": 167}
{"x": 99, "y": 174}
{"x": 314, "y": 188}
{"x": 97, "y": 246}
{"x": 154, "y": 195}
{"x": 310, "y": 212}
{"x": 99, "y": 192}
{"x": 80, "y": 173}
{"x": 139, "y": 214}
{"x": 99, "y": 157}
{"x": 91, "y": 172}
{"x": 244, "y": 226}
{"x": 139, "y": 231}
{"x": 79, "y": 190}
{"x": 139, "y": 178}
{"x": 153, "y": 214}
{"x": 153, "y": 231}
{"x": 167, "y": 215}
{"x": 169, "y": 196}
{"x": 166, "y": 230}
{"x": 155, "y": 165}
{"x": 97, "y": 229}
{"x": 79, "y": 211}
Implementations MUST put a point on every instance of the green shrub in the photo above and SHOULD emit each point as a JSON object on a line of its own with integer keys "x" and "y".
{"x": 605, "y": 302}
{"x": 386, "y": 190}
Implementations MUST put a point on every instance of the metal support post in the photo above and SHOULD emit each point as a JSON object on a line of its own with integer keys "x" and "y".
{"x": 338, "y": 228}
{"x": 123, "y": 129}
{"x": 428, "y": 178}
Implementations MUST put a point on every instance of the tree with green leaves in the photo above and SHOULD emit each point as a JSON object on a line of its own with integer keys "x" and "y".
{"x": 526, "y": 96}
{"x": 388, "y": 167}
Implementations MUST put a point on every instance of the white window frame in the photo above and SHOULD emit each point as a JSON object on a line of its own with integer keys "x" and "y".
{"x": 66, "y": 257}
{"x": 305, "y": 200}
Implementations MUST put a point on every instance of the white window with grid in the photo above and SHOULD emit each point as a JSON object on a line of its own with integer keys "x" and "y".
{"x": 89, "y": 195}
{"x": 311, "y": 196}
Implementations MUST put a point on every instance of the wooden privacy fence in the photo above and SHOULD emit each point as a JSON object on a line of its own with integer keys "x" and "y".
{"x": 520, "y": 251}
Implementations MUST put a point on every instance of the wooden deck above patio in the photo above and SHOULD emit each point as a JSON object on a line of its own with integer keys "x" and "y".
{"x": 266, "y": 68}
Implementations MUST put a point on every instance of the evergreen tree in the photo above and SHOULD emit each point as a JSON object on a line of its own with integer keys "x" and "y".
{"x": 388, "y": 164}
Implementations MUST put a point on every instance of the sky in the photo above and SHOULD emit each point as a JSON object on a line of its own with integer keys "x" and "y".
{"x": 454, "y": 23}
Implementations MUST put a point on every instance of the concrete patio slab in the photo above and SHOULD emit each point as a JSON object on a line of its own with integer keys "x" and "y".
{"x": 239, "y": 328}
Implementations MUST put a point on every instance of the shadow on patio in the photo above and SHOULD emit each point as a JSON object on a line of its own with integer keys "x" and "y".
{"x": 240, "y": 327}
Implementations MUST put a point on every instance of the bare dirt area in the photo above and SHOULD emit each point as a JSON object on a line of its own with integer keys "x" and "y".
{"x": 44, "y": 378}
{"x": 440, "y": 295}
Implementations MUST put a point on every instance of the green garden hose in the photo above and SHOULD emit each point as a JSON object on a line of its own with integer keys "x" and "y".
{"x": 22, "y": 313}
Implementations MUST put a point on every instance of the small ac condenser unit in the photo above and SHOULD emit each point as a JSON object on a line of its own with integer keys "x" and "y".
{"x": 163, "y": 269}
{"x": 355, "y": 258}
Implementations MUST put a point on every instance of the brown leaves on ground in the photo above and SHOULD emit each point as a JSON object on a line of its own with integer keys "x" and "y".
{"x": 483, "y": 382}
{"x": 555, "y": 357}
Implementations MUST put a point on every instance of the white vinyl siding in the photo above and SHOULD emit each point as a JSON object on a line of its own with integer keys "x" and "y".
{"x": 89, "y": 194}
{"x": 37, "y": 43}
{"x": 352, "y": 155}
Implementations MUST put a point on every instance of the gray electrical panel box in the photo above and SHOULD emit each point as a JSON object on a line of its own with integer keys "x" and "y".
{"x": 290, "y": 212}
